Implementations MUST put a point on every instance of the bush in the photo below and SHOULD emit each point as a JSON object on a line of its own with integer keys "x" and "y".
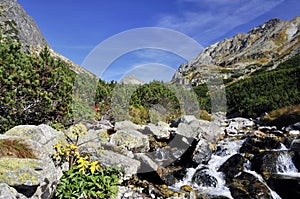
{"x": 34, "y": 89}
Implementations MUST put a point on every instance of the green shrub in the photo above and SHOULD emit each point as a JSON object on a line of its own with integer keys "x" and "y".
{"x": 34, "y": 89}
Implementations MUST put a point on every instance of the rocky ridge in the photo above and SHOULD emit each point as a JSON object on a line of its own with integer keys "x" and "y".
{"x": 264, "y": 46}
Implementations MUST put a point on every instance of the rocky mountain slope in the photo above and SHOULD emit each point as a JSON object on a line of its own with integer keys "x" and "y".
{"x": 15, "y": 22}
{"x": 264, "y": 46}
{"x": 27, "y": 30}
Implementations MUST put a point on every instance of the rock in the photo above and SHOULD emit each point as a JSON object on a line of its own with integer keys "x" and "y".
{"x": 254, "y": 144}
{"x": 203, "y": 179}
{"x": 187, "y": 131}
{"x": 36, "y": 178}
{"x": 210, "y": 131}
{"x": 147, "y": 164}
{"x": 247, "y": 186}
{"x": 295, "y": 146}
{"x": 186, "y": 119}
{"x": 235, "y": 125}
{"x": 43, "y": 134}
{"x": 232, "y": 166}
{"x": 160, "y": 132}
{"x": 28, "y": 32}
{"x": 288, "y": 187}
{"x": 203, "y": 152}
{"x": 131, "y": 140}
{"x": 110, "y": 158}
{"x": 7, "y": 192}
{"x": 124, "y": 125}
{"x": 272, "y": 162}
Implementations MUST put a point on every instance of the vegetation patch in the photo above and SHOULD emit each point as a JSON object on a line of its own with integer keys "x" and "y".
{"x": 15, "y": 148}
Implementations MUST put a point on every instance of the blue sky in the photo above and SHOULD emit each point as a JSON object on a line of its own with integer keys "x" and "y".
{"x": 74, "y": 28}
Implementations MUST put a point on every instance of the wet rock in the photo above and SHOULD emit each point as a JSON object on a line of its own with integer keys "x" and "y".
{"x": 232, "y": 166}
{"x": 254, "y": 144}
{"x": 131, "y": 140}
{"x": 288, "y": 187}
{"x": 235, "y": 125}
{"x": 203, "y": 152}
{"x": 247, "y": 186}
{"x": 270, "y": 162}
{"x": 160, "y": 132}
{"x": 295, "y": 146}
{"x": 203, "y": 179}
{"x": 110, "y": 158}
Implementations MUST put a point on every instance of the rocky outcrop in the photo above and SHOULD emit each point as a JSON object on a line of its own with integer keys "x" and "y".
{"x": 270, "y": 43}
{"x": 33, "y": 175}
{"x": 27, "y": 30}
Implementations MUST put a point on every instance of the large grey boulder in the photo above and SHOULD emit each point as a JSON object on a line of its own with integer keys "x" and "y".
{"x": 33, "y": 177}
{"x": 147, "y": 164}
{"x": 123, "y": 125}
{"x": 110, "y": 158}
{"x": 43, "y": 134}
{"x": 131, "y": 140}
{"x": 159, "y": 131}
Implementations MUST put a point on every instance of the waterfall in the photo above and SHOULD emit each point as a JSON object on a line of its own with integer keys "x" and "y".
{"x": 285, "y": 165}
{"x": 227, "y": 149}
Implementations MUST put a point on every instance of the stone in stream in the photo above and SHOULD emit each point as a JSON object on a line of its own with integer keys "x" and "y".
{"x": 203, "y": 179}
{"x": 254, "y": 144}
{"x": 247, "y": 186}
{"x": 288, "y": 187}
{"x": 232, "y": 166}
{"x": 271, "y": 162}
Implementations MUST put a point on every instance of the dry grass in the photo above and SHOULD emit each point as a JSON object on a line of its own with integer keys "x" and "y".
{"x": 16, "y": 149}
{"x": 289, "y": 110}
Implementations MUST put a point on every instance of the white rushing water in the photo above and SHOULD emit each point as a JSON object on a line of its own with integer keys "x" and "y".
{"x": 228, "y": 148}
{"x": 285, "y": 165}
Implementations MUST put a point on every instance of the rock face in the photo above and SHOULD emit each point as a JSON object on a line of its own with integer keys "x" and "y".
{"x": 244, "y": 53}
{"x": 31, "y": 177}
{"x": 28, "y": 31}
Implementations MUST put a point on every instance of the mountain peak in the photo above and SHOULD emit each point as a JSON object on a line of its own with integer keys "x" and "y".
{"x": 22, "y": 24}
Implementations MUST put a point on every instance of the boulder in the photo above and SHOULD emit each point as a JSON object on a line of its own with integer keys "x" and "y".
{"x": 247, "y": 186}
{"x": 272, "y": 162}
{"x": 187, "y": 131}
{"x": 186, "y": 119}
{"x": 124, "y": 125}
{"x": 203, "y": 179}
{"x": 160, "y": 132}
{"x": 7, "y": 192}
{"x": 295, "y": 146}
{"x": 203, "y": 152}
{"x": 287, "y": 187}
{"x": 147, "y": 164}
{"x": 232, "y": 166}
{"x": 33, "y": 177}
{"x": 43, "y": 134}
{"x": 110, "y": 158}
{"x": 254, "y": 144}
{"x": 131, "y": 140}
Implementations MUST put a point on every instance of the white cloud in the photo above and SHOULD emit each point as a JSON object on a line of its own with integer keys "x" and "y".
{"x": 210, "y": 19}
